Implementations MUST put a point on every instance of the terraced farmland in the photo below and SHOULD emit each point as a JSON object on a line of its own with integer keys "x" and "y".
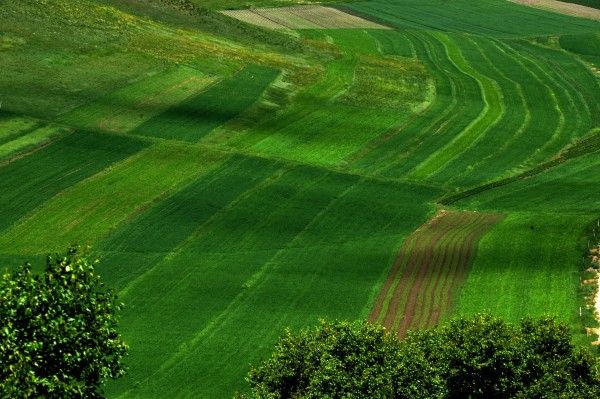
{"x": 238, "y": 179}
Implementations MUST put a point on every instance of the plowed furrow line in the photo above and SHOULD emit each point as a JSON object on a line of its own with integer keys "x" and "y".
{"x": 409, "y": 251}
{"x": 463, "y": 271}
{"x": 440, "y": 273}
{"x": 406, "y": 318}
{"x": 431, "y": 266}
{"x": 398, "y": 298}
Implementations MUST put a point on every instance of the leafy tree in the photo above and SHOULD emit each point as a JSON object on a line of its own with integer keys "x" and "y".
{"x": 58, "y": 336}
{"x": 479, "y": 357}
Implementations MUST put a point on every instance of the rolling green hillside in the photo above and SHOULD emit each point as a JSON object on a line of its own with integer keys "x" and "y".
{"x": 236, "y": 181}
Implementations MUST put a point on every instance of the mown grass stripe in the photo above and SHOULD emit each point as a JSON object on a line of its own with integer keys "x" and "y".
{"x": 516, "y": 119}
{"x": 544, "y": 119}
{"x": 391, "y": 154}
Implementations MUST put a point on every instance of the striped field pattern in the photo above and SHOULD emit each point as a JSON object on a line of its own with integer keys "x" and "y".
{"x": 432, "y": 265}
{"x": 302, "y": 17}
{"x": 235, "y": 181}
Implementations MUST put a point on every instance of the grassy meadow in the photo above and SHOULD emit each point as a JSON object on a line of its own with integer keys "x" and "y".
{"x": 236, "y": 181}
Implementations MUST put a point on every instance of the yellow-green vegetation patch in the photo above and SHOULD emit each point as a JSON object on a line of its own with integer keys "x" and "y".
{"x": 33, "y": 138}
{"x": 60, "y": 54}
{"x": 195, "y": 117}
{"x": 302, "y": 17}
{"x": 396, "y": 84}
{"x": 129, "y": 107}
{"x": 87, "y": 211}
{"x": 13, "y": 126}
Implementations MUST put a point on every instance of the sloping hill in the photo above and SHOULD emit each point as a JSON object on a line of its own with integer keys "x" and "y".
{"x": 237, "y": 180}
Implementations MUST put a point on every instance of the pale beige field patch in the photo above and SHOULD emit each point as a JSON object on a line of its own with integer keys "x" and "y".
{"x": 563, "y": 8}
{"x": 302, "y": 17}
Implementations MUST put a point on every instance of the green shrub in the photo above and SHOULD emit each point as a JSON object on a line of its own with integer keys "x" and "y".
{"x": 58, "y": 335}
{"x": 479, "y": 357}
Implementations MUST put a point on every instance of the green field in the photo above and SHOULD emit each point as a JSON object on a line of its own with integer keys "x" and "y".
{"x": 236, "y": 181}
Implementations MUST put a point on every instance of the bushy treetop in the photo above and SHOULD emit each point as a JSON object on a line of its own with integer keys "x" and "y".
{"x": 58, "y": 336}
{"x": 478, "y": 357}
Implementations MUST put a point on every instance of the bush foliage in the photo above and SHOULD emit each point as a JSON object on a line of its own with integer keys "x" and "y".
{"x": 58, "y": 335}
{"x": 479, "y": 357}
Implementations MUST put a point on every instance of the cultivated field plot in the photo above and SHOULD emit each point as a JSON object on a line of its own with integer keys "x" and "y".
{"x": 302, "y": 17}
{"x": 432, "y": 266}
{"x": 123, "y": 110}
{"x": 576, "y": 10}
{"x": 193, "y": 118}
{"x": 236, "y": 181}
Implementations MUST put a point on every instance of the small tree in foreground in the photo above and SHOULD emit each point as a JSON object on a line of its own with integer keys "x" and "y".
{"x": 58, "y": 336}
{"x": 479, "y": 357}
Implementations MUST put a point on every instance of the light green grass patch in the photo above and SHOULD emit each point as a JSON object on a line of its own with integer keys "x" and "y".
{"x": 32, "y": 139}
{"x": 129, "y": 107}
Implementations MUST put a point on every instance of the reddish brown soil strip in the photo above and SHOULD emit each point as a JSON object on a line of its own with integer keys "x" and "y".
{"x": 431, "y": 267}
{"x": 440, "y": 273}
{"x": 430, "y": 240}
{"x": 561, "y": 7}
{"x": 425, "y": 275}
{"x": 407, "y": 248}
{"x": 432, "y": 313}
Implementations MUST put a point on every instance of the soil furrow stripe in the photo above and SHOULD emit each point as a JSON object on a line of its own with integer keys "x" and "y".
{"x": 439, "y": 271}
{"x": 416, "y": 288}
{"x": 428, "y": 240}
{"x": 444, "y": 292}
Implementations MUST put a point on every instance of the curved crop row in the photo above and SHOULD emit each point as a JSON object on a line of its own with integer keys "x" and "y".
{"x": 448, "y": 114}
{"x": 430, "y": 268}
{"x": 491, "y": 113}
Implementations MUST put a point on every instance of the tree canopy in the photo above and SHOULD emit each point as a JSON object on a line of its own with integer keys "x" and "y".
{"x": 58, "y": 336}
{"x": 478, "y": 357}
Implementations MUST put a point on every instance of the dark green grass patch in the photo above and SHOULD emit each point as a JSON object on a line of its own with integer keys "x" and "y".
{"x": 587, "y": 3}
{"x": 489, "y": 17}
{"x": 197, "y": 116}
{"x": 585, "y": 44}
{"x": 570, "y": 187}
{"x": 309, "y": 244}
{"x": 168, "y": 223}
{"x": 31, "y": 180}
{"x": 528, "y": 265}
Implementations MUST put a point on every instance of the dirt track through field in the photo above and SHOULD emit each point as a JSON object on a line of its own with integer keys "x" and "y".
{"x": 431, "y": 266}
{"x": 575, "y": 10}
